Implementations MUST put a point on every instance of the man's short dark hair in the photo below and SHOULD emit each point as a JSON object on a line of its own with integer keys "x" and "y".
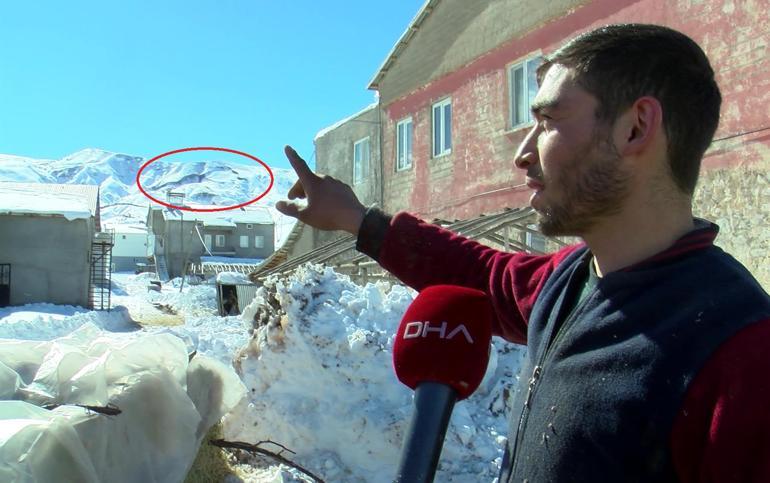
{"x": 618, "y": 64}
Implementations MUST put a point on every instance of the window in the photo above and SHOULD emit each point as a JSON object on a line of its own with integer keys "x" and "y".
{"x": 522, "y": 79}
{"x": 535, "y": 241}
{"x": 360, "y": 160}
{"x": 404, "y": 144}
{"x": 259, "y": 241}
{"x": 207, "y": 241}
{"x": 249, "y": 226}
{"x": 220, "y": 240}
{"x": 442, "y": 127}
{"x": 244, "y": 241}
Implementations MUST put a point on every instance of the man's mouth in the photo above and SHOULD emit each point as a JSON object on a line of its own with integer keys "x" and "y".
{"x": 535, "y": 184}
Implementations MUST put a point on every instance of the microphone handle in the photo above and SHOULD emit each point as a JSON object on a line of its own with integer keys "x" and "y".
{"x": 433, "y": 404}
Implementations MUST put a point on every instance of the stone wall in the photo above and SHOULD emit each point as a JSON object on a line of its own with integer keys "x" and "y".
{"x": 738, "y": 200}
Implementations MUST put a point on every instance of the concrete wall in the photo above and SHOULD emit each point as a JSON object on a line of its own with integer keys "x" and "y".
{"x": 49, "y": 258}
{"x": 334, "y": 157}
{"x": 130, "y": 245}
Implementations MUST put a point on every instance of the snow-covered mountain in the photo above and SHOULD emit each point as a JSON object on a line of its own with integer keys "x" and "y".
{"x": 211, "y": 182}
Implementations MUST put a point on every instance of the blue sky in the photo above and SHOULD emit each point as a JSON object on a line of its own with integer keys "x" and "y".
{"x": 145, "y": 77}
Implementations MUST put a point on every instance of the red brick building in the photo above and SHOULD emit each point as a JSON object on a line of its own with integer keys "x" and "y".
{"x": 455, "y": 88}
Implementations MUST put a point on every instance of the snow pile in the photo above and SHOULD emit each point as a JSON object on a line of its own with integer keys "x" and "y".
{"x": 319, "y": 374}
{"x": 314, "y": 352}
{"x": 232, "y": 278}
{"x": 48, "y": 321}
{"x": 193, "y": 300}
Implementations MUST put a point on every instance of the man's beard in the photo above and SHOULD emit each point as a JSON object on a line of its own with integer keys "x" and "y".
{"x": 596, "y": 188}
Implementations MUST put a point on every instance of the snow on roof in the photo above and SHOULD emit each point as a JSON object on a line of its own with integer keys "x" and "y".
{"x": 259, "y": 216}
{"x": 337, "y": 124}
{"x": 70, "y": 201}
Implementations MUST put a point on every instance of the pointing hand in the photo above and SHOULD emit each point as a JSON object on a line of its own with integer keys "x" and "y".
{"x": 331, "y": 204}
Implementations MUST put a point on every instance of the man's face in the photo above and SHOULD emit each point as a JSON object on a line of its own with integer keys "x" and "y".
{"x": 570, "y": 159}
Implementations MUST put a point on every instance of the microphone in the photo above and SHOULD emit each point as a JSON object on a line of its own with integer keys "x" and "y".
{"x": 441, "y": 351}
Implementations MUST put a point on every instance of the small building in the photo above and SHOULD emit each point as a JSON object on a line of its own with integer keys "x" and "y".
{"x": 51, "y": 246}
{"x": 183, "y": 237}
{"x": 131, "y": 247}
{"x": 234, "y": 293}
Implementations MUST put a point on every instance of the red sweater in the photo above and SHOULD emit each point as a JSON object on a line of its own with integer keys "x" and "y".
{"x": 722, "y": 431}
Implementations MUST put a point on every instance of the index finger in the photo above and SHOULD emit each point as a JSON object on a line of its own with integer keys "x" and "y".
{"x": 304, "y": 173}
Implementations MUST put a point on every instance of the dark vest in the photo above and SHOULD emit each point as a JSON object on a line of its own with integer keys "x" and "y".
{"x": 601, "y": 404}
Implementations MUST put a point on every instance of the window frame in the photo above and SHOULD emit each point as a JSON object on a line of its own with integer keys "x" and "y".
{"x": 361, "y": 166}
{"x": 242, "y": 239}
{"x": 217, "y": 239}
{"x": 404, "y": 162}
{"x": 259, "y": 241}
{"x": 445, "y": 145}
{"x": 528, "y": 66}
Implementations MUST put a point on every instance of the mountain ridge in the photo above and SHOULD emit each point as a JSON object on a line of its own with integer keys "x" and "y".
{"x": 202, "y": 182}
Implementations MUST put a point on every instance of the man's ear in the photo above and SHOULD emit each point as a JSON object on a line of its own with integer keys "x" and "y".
{"x": 640, "y": 128}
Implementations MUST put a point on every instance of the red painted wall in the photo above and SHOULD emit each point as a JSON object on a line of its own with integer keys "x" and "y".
{"x": 479, "y": 176}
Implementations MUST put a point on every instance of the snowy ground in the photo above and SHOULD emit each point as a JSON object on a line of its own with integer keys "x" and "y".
{"x": 314, "y": 352}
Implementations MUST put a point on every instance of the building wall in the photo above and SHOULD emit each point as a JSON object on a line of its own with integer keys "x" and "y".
{"x": 49, "y": 258}
{"x": 737, "y": 198}
{"x": 186, "y": 244}
{"x": 479, "y": 176}
{"x": 334, "y": 157}
{"x": 130, "y": 245}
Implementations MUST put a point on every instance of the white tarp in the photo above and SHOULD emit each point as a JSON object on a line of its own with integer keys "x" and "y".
{"x": 166, "y": 405}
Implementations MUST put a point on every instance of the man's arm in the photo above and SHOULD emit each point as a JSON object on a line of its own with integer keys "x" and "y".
{"x": 421, "y": 254}
{"x": 722, "y": 431}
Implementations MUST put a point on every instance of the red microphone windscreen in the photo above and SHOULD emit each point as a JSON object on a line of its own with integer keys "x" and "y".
{"x": 444, "y": 337}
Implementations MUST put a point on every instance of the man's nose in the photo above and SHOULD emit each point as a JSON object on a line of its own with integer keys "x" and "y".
{"x": 527, "y": 154}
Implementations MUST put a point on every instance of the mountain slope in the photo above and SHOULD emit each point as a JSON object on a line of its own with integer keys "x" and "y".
{"x": 210, "y": 182}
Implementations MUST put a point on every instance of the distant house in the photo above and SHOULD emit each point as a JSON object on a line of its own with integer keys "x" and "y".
{"x": 51, "y": 248}
{"x": 132, "y": 247}
{"x": 185, "y": 236}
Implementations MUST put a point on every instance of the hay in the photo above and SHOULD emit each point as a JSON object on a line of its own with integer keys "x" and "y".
{"x": 211, "y": 463}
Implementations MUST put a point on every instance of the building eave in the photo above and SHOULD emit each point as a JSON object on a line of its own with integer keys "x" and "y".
{"x": 402, "y": 42}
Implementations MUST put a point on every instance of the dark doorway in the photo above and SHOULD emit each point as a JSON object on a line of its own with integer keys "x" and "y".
{"x": 230, "y": 300}
{"x": 5, "y": 284}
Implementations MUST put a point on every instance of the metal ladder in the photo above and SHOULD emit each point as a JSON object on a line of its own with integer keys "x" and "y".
{"x": 100, "y": 284}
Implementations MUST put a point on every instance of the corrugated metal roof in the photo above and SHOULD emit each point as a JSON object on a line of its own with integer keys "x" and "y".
{"x": 90, "y": 193}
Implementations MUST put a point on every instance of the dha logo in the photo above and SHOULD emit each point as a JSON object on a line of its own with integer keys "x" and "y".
{"x": 417, "y": 329}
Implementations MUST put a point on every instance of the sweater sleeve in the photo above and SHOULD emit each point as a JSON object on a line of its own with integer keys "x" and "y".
{"x": 722, "y": 431}
{"x": 421, "y": 254}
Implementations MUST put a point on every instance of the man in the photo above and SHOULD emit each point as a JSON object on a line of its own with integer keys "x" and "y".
{"x": 647, "y": 354}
